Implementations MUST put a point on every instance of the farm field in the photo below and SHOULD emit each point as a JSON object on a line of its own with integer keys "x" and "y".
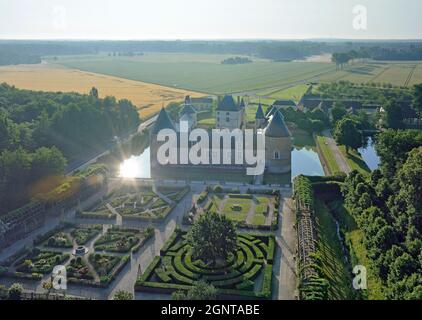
{"x": 46, "y": 77}
{"x": 265, "y": 78}
{"x": 200, "y": 72}
{"x": 397, "y": 73}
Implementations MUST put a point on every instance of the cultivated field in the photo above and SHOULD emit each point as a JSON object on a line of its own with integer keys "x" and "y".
{"x": 205, "y": 73}
{"x": 201, "y": 72}
{"x": 47, "y": 77}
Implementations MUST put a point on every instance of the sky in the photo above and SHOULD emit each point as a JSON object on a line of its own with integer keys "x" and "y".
{"x": 210, "y": 19}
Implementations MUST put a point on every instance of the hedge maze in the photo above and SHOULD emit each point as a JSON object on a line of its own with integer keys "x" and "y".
{"x": 248, "y": 273}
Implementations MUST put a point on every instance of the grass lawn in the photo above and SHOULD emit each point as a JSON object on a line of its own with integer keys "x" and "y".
{"x": 355, "y": 161}
{"x": 354, "y": 240}
{"x": 327, "y": 155}
{"x": 334, "y": 265}
{"x": 230, "y": 205}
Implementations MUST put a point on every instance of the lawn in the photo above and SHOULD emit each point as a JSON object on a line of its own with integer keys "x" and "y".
{"x": 354, "y": 240}
{"x": 262, "y": 209}
{"x": 237, "y": 209}
{"x": 327, "y": 156}
{"x": 355, "y": 161}
{"x": 334, "y": 265}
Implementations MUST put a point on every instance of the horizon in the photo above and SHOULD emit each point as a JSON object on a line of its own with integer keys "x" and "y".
{"x": 283, "y": 20}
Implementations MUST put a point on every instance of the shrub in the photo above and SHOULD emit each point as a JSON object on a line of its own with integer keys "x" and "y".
{"x": 15, "y": 291}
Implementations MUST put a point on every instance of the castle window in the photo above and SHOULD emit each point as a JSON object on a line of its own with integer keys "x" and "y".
{"x": 276, "y": 155}
{"x": 227, "y": 119}
{"x": 227, "y": 114}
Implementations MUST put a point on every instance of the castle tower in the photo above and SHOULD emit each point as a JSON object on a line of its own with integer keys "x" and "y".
{"x": 278, "y": 145}
{"x": 188, "y": 113}
{"x": 259, "y": 117}
{"x": 163, "y": 122}
{"x": 229, "y": 114}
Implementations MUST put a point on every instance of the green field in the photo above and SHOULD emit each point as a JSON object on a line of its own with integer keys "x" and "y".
{"x": 264, "y": 78}
{"x": 200, "y": 72}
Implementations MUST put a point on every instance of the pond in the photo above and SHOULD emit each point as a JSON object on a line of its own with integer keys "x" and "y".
{"x": 369, "y": 154}
{"x": 304, "y": 161}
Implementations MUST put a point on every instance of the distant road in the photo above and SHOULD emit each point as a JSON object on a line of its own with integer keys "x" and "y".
{"x": 83, "y": 164}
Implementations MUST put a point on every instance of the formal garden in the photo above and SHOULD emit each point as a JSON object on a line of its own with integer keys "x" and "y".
{"x": 255, "y": 209}
{"x": 135, "y": 202}
{"x": 92, "y": 254}
{"x": 236, "y": 265}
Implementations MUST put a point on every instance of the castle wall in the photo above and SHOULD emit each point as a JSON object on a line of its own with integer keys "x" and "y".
{"x": 229, "y": 120}
{"x": 283, "y": 146}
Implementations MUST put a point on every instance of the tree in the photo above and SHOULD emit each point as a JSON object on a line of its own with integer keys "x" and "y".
{"x": 393, "y": 147}
{"x": 94, "y": 92}
{"x": 15, "y": 291}
{"x": 200, "y": 291}
{"x": 417, "y": 99}
{"x": 410, "y": 181}
{"x": 212, "y": 237}
{"x": 338, "y": 112}
{"x": 393, "y": 115}
{"x": 123, "y": 295}
{"x": 47, "y": 285}
{"x": 347, "y": 134}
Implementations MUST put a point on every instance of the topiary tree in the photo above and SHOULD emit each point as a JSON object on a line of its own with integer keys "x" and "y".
{"x": 123, "y": 295}
{"x": 15, "y": 291}
{"x": 200, "y": 291}
{"x": 212, "y": 237}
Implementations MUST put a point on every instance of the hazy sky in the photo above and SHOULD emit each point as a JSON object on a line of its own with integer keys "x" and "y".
{"x": 207, "y": 19}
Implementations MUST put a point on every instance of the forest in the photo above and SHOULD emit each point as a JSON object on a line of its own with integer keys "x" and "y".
{"x": 41, "y": 132}
{"x": 387, "y": 206}
{"x": 269, "y": 49}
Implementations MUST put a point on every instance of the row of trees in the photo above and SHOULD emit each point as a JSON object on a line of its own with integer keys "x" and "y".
{"x": 16, "y": 57}
{"x": 40, "y": 132}
{"x": 236, "y": 60}
{"x": 387, "y": 206}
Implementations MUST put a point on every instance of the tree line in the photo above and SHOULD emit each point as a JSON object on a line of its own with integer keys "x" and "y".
{"x": 387, "y": 206}
{"x": 40, "y": 132}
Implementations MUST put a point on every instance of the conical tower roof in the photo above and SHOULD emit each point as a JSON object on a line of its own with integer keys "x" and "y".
{"x": 272, "y": 111}
{"x": 187, "y": 109}
{"x": 163, "y": 122}
{"x": 242, "y": 103}
{"x": 227, "y": 104}
{"x": 277, "y": 127}
{"x": 259, "y": 112}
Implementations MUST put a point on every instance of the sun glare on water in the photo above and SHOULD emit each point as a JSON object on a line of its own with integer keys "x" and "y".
{"x": 130, "y": 168}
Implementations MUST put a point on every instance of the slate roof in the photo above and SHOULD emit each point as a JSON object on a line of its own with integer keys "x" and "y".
{"x": 187, "y": 109}
{"x": 285, "y": 102}
{"x": 277, "y": 127}
{"x": 228, "y": 104}
{"x": 271, "y": 111}
{"x": 163, "y": 122}
{"x": 259, "y": 113}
